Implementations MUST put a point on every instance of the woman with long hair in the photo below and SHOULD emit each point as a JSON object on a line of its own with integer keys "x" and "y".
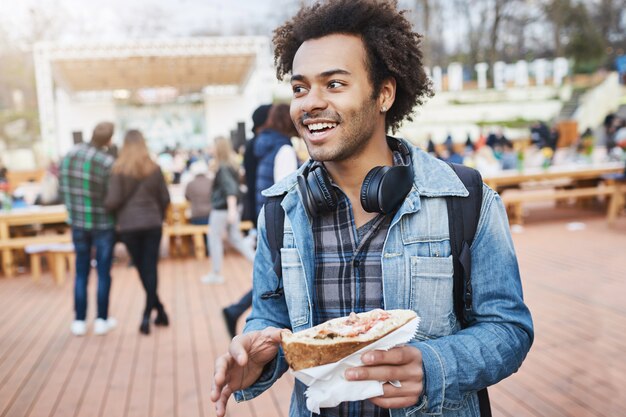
{"x": 138, "y": 195}
{"x": 224, "y": 212}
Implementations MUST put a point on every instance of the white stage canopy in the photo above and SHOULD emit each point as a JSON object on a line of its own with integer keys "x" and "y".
{"x": 188, "y": 65}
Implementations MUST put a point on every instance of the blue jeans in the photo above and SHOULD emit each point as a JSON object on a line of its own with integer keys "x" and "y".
{"x": 103, "y": 241}
{"x": 199, "y": 220}
{"x": 238, "y": 308}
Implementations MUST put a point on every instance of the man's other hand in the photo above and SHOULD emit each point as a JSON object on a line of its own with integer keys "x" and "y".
{"x": 402, "y": 364}
{"x": 243, "y": 364}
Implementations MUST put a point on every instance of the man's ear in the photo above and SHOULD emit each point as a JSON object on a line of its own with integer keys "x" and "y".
{"x": 387, "y": 94}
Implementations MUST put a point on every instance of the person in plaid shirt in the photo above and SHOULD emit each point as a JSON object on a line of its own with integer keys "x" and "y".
{"x": 84, "y": 178}
{"x": 351, "y": 245}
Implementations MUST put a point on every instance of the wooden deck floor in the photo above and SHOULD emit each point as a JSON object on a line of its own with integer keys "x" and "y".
{"x": 573, "y": 281}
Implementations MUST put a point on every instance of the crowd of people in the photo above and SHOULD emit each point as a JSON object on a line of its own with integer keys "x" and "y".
{"x": 495, "y": 152}
{"x": 123, "y": 196}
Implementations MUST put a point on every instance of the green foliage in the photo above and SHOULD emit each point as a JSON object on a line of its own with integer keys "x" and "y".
{"x": 517, "y": 123}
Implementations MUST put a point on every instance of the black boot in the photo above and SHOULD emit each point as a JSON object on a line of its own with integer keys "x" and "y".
{"x": 161, "y": 318}
{"x": 145, "y": 325}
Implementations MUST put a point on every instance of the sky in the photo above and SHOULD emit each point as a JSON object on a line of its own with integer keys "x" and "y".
{"x": 115, "y": 19}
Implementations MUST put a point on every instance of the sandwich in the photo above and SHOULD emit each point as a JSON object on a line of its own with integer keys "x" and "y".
{"x": 337, "y": 338}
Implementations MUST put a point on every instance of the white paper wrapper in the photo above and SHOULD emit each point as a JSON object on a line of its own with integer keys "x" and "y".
{"x": 327, "y": 385}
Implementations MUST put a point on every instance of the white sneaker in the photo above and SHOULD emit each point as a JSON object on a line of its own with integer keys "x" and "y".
{"x": 78, "y": 328}
{"x": 102, "y": 326}
{"x": 212, "y": 278}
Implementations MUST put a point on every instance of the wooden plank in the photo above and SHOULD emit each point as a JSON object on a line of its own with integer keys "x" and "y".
{"x": 22, "y": 242}
{"x": 572, "y": 281}
{"x": 201, "y": 335}
{"x": 25, "y": 352}
{"x": 518, "y": 196}
{"x": 120, "y": 378}
{"x": 164, "y": 398}
{"x": 23, "y": 381}
{"x": 17, "y": 311}
{"x": 188, "y": 403}
{"x": 96, "y": 388}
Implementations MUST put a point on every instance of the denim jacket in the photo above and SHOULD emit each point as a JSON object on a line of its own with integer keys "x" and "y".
{"x": 417, "y": 274}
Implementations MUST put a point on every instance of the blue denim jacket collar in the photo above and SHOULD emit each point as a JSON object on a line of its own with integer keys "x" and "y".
{"x": 446, "y": 183}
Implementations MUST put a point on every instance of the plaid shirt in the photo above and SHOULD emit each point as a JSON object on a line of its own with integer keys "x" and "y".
{"x": 84, "y": 180}
{"x": 348, "y": 275}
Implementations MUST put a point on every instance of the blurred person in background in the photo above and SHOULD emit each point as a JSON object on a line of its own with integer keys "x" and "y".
{"x": 224, "y": 217}
{"x": 49, "y": 193}
{"x": 139, "y": 197}
{"x": 509, "y": 157}
{"x": 259, "y": 120}
{"x": 198, "y": 192}
{"x": 84, "y": 180}
{"x": 274, "y": 151}
{"x": 276, "y": 158}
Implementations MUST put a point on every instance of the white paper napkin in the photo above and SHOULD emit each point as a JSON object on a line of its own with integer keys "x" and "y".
{"x": 327, "y": 385}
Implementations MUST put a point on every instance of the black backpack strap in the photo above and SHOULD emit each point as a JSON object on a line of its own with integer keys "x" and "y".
{"x": 274, "y": 226}
{"x": 463, "y": 215}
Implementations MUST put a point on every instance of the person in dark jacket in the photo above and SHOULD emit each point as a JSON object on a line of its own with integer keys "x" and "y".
{"x": 259, "y": 119}
{"x": 138, "y": 195}
{"x": 275, "y": 154}
{"x": 276, "y": 159}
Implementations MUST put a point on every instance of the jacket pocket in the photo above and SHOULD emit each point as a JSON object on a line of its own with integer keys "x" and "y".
{"x": 431, "y": 295}
{"x": 294, "y": 284}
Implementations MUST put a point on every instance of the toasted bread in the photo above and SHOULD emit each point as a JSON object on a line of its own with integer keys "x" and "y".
{"x": 340, "y": 337}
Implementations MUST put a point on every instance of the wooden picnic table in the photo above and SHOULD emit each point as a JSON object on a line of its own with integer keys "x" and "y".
{"x": 571, "y": 172}
{"x": 21, "y": 217}
{"x": 537, "y": 184}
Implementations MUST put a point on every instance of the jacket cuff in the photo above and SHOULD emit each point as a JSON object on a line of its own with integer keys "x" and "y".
{"x": 271, "y": 372}
{"x": 432, "y": 399}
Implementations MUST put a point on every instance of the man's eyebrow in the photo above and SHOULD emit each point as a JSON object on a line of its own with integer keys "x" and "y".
{"x": 322, "y": 75}
{"x": 335, "y": 71}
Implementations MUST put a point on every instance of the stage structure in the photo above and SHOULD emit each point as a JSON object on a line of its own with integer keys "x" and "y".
{"x": 80, "y": 84}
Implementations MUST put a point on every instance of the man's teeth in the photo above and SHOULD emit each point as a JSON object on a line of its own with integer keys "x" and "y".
{"x": 319, "y": 126}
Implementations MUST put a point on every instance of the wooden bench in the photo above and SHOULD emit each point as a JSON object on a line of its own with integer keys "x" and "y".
{"x": 197, "y": 232}
{"x": 61, "y": 259}
{"x": 514, "y": 199}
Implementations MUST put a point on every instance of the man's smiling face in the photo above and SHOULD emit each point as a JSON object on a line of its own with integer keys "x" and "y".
{"x": 332, "y": 105}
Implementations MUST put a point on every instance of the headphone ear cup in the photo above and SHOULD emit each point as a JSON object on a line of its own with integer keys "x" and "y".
{"x": 393, "y": 188}
{"x": 306, "y": 195}
{"x": 370, "y": 189}
{"x": 322, "y": 193}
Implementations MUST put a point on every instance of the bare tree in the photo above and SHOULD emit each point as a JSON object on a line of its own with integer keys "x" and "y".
{"x": 557, "y": 13}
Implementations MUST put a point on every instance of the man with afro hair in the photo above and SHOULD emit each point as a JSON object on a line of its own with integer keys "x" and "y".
{"x": 366, "y": 227}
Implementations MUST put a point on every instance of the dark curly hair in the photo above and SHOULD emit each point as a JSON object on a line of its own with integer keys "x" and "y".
{"x": 392, "y": 48}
